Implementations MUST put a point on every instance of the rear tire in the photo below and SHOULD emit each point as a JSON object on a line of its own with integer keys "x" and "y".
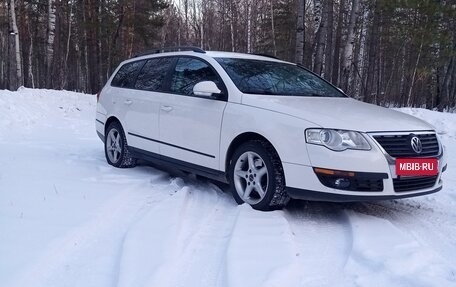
{"x": 256, "y": 176}
{"x": 116, "y": 148}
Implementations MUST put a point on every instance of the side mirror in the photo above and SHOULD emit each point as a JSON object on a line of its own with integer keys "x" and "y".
{"x": 206, "y": 89}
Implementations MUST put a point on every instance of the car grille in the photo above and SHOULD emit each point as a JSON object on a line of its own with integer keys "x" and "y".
{"x": 400, "y": 145}
{"x": 402, "y": 184}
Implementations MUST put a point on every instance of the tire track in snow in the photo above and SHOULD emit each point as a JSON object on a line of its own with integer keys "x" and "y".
{"x": 201, "y": 258}
{"x": 425, "y": 223}
{"x": 386, "y": 255}
{"x": 323, "y": 240}
{"x": 262, "y": 251}
{"x": 187, "y": 247}
{"x": 73, "y": 253}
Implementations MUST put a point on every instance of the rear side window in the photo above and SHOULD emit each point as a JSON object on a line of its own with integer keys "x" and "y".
{"x": 126, "y": 76}
{"x": 153, "y": 75}
{"x": 189, "y": 72}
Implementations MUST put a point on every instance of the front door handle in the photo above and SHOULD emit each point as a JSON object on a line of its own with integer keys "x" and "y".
{"x": 128, "y": 102}
{"x": 166, "y": 108}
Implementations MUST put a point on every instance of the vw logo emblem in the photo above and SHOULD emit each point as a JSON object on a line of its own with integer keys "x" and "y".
{"x": 416, "y": 144}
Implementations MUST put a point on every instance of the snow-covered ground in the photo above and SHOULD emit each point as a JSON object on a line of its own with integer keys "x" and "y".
{"x": 69, "y": 219}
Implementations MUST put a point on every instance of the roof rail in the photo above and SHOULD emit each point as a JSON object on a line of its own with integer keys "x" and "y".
{"x": 171, "y": 49}
{"x": 265, "y": 55}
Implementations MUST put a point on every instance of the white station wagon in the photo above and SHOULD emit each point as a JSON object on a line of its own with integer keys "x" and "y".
{"x": 271, "y": 129}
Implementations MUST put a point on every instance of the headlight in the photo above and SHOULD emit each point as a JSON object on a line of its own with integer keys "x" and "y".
{"x": 337, "y": 140}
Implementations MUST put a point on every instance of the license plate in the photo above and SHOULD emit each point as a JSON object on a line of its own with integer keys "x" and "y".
{"x": 416, "y": 166}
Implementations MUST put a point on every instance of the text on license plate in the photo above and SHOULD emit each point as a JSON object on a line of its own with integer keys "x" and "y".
{"x": 416, "y": 166}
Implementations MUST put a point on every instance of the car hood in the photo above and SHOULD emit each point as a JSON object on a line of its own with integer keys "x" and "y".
{"x": 339, "y": 113}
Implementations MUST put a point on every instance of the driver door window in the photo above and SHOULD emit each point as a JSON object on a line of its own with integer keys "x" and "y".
{"x": 188, "y": 73}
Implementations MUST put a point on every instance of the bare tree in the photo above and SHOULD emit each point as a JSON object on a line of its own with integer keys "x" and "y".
{"x": 274, "y": 46}
{"x": 347, "y": 56}
{"x": 321, "y": 39}
{"x": 329, "y": 11}
{"x": 50, "y": 40}
{"x": 300, "y": 32}
{"x": 249, "y": 26}
{"x": 17, "y": 49}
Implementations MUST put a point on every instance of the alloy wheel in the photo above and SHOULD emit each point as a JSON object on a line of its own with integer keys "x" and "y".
{"x": 113, "y": 145}
{"x": 251, "y": 177}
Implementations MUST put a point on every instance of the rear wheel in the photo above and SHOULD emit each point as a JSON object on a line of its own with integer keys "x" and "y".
{"x": 116, "y": 148}
{"x": 256, "y": 176}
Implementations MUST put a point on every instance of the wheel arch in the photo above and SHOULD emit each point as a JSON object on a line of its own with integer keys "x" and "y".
{"x": 109, "y": 121}
{"x": 239, "y": 140}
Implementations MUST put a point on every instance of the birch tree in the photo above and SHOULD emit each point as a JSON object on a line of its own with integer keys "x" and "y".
{"x": 329, "y": 11}
{"x": 249, "y": 26}
{"x": 300, "y": 32}
{"x": 50, "y": 40}
{"x": 347, "y": 56}
{"x": 17, "y": 49}
{"x": 274, "y": 46}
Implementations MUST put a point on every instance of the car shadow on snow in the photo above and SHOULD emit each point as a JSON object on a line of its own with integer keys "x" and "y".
{"x": 387, "y": 209}
{"x": 330, "y": 211}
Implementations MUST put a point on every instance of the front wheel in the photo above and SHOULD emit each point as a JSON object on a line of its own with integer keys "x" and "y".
{"x": 256, "y": 176}
{"x": 116, "y": 148}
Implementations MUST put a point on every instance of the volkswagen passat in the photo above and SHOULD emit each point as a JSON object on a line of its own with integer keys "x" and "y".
{"x": 271, "y": 129}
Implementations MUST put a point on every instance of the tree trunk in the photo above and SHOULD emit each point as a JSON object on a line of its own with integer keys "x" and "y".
{"x": 274, "y": 46}
{"x": 446, "y": 83}
{"x": 317, "y": 21}
{"x": 336, "y": 60}
{"x": 232, "y": 26}
{"x": 202, "y": 11}
{"x": 17, "y": 49}
{"x": 99, "y": 43}
{"x": 329, "y": 40}
{"x": 361, "y": 55}
{"x": 65, "y": 63}
{"x": 347, "y": 57}
{"x": 31, "y": 80}
{"x": 418, "y": 58}
{"x": 86, "y": 48}
{"x": 50, "y": 42}
{"x": 249, "y": 26}
{"x": 321, "y": 41}
{"x": 2, "y": 60}
{"x": 300, "y": 32}
{"x": 179, "y": 20}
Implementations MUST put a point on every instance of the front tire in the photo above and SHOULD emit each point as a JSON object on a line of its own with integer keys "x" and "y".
{"x": 256, "y": 176}
{"x": 116, "y": 148}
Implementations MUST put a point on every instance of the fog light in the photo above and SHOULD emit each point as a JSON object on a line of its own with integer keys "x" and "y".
{"x": 342, "y": 183}
{"x": 351, "y": 180}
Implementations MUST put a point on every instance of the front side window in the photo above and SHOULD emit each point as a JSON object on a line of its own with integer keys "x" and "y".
{"x": 189, "y": 72}
{"x": 126, "y": 76}
{"x": 153, "y": 74}
{"x": 276, "y": 78}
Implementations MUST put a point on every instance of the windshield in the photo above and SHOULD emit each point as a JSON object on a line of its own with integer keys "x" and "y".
{"x": 276, "y": 78}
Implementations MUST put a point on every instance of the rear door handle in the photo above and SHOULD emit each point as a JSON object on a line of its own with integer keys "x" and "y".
{"x": 166, "y": 108}
{"x": 128, "y": 102}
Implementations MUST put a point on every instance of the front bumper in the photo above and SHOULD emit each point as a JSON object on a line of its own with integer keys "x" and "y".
{"x": 303, "y": 183}
{"x": 304, "y": 194}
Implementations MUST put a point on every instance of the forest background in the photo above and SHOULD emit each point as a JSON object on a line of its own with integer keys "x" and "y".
{"x": 387, "y": 52}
